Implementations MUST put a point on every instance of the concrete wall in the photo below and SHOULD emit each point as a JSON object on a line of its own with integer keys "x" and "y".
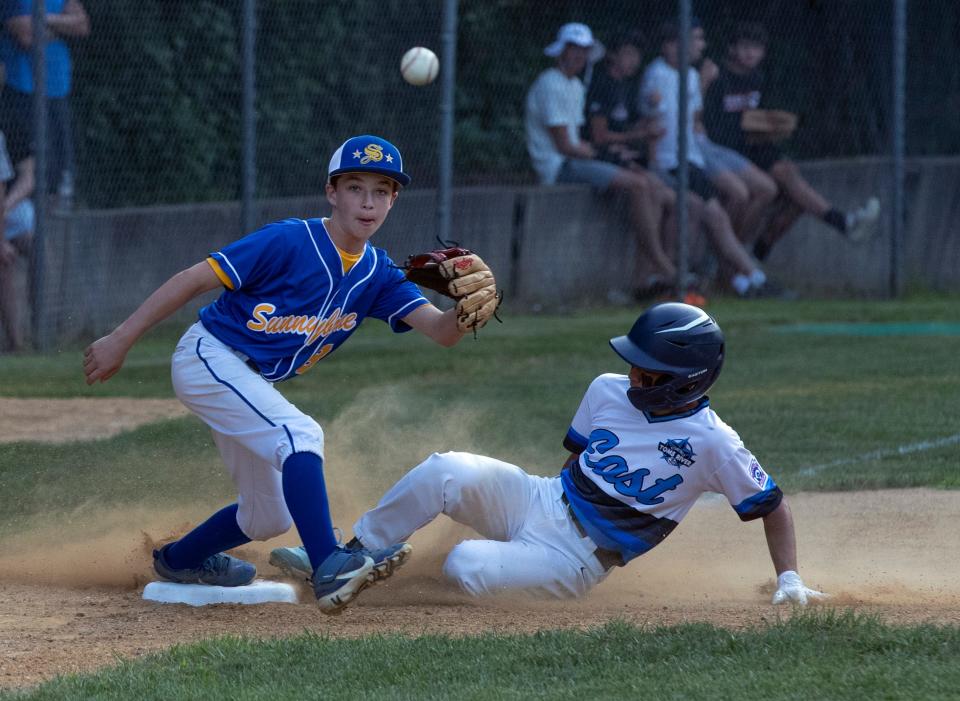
{"x": 558, "y": 247}
{"x": 813, "y": 259}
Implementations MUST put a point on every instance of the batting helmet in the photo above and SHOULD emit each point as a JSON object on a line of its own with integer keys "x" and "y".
{"x": 679, "y": 341}
{"x": 368, "y": 154}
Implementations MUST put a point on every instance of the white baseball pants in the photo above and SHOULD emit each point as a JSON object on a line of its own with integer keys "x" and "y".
{"x": 254, "y": 426}
{"x": 531, "y": 545}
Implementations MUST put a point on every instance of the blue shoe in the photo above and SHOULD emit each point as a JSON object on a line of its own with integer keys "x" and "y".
{"x": 339, "y": 578}
{"x": 295, "y": 563}
{"x": 218, "y": 570}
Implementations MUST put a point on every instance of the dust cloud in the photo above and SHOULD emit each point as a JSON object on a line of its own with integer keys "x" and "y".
{"x": 885, "y": 547}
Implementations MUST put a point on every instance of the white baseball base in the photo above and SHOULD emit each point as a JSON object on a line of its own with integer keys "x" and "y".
{"x": 260, "y": 591}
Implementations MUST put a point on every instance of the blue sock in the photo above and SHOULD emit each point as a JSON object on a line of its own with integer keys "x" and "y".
{"x": 218, "y": 533}
{"x": 306, "y": 495}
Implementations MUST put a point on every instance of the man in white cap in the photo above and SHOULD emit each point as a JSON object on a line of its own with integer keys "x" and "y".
{"x": 554, "y": 114}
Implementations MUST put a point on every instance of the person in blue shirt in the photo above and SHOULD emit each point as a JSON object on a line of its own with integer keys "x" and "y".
{"x": 66, "y": 19}
{"x": 294, "y": 291}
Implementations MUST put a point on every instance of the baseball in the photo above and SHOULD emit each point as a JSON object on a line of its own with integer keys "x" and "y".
{"x": 419, "y": 66}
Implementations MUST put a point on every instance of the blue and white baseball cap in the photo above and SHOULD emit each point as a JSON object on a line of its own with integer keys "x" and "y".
{"x": 368, "y": 154}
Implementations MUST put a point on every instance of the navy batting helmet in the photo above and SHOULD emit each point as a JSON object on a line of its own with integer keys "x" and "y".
{"x": 679, "y": 341}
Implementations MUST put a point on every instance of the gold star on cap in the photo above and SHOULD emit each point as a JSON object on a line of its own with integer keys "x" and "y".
{"x": 389, "y": 158}
{"x": 356, "y": 154}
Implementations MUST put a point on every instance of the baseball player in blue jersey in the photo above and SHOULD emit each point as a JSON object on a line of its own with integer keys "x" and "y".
{"x": 294, "y": 291}
{"x": 644, "y": 447}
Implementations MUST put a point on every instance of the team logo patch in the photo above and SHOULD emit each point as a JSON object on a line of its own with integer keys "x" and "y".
{"x": 677, "y": 452}
{"x": 756, "y": 473}
{"x": 372, "y": 152}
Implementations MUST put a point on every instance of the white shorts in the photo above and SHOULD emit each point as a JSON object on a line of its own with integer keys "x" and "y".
{"x": 531, "y": 543}
{"x": 719, "y": 159}
{"x": 20, "y": 220}
{"x": 254, "y": 426}
{"x": 599, "y": 174}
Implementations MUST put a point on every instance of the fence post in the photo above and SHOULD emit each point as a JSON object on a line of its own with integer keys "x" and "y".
{"x": 249, "y": 118}
{"x": 898, "y": 145}
{"x": 682, "y": 147}
{"x": 448, "y": 58}
{"x": 40, "y": 318}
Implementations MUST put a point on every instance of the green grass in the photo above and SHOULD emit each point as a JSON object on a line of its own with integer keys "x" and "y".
{"x": 822, "y": 412}
{"x": 799, "y": 401}
{"x": 813, "y": 656}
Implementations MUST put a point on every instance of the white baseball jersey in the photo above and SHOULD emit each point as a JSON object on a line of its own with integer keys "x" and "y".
{"x": 659, "y": 94}
{"x": 554, "y": 100}
{"x": 638, "y": 475}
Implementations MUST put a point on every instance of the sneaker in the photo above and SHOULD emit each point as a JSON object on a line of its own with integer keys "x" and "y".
{"x": 386, "y": 560}
{"x": 294, "y": 562}
{"x": 862, "y": 222}
{"x": 341, "y": 577}
{"x": 218, "y": 570}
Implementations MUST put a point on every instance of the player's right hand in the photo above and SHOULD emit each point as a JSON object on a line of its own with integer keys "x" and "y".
{"x": 791, "y": 588}
{"x": 103, "y": 358}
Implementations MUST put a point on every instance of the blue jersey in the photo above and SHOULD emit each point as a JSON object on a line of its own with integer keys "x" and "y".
{"x": 288, "y": 302}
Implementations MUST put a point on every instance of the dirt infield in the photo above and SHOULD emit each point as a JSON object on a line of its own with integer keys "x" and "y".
{"x": 70, "y": 599}
{"x": 55, "y": 420}
{"x": 79, "y": 607}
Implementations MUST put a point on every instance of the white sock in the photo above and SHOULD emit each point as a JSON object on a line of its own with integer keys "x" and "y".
{"x": 758, "y": 278}
{"x": 741, "y": 283}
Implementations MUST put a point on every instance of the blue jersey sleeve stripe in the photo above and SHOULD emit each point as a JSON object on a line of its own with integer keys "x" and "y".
{"x": 759, "y": 504}
{"x": 574, "y": 442}
{"x": 411, "y": 305}
{"x": 232, "y": 272}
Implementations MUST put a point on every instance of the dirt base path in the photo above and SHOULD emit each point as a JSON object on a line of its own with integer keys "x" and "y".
{"x": 79, "y": 419}
{"x": 895, "y": 554}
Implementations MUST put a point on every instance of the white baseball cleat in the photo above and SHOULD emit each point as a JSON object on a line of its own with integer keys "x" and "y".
{"x": 862, "y": 222}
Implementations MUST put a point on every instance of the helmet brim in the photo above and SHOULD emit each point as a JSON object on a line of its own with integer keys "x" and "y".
{"x": 400, "y": 178}
{"x": 630, "y": 352}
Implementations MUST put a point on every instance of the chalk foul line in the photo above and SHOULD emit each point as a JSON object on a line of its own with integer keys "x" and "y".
{"x": 884, "y": 453}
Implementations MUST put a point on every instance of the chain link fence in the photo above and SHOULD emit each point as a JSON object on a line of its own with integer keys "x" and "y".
{"x": 157, "y": 104}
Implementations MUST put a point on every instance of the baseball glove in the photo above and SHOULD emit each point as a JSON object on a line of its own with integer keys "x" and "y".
{"x": 462, "y": 275}
{"x": 768, "y": 126}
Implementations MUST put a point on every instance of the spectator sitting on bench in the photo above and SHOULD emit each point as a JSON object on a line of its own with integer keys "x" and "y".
{"x": 553, "y": 119}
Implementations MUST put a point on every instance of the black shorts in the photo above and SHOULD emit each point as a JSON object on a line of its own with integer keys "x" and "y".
{"x": 763, "y": 155}
{"x": 697, "y": 182}
{"x": 16, "y": 122}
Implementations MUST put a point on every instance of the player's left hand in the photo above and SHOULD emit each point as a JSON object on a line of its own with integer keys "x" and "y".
{"x": 791, "y": 588}
{"x": 474, "y": 287}
{"x": 461, "y": 274}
